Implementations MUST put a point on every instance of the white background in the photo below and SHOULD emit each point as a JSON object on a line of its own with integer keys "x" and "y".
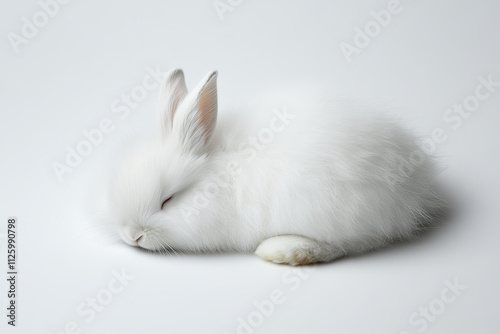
{"x": 64, "y": 80}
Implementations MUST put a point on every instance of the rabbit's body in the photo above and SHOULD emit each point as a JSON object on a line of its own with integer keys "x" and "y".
{"x": 313, "y": 184}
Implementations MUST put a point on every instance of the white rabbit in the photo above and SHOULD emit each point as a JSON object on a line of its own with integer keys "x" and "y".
{"x": 316, "y": 184}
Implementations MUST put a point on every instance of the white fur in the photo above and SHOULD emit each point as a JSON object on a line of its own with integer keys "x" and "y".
{"x": 328, "y": 182}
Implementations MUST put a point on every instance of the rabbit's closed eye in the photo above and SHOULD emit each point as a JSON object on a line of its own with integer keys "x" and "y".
{"x": 165, "y": 202}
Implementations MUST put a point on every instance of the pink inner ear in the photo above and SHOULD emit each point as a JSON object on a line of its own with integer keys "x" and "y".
{"x": 208, "y": 109}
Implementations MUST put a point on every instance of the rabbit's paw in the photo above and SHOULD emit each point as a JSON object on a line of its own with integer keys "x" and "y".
{"x": 294, "y": 250}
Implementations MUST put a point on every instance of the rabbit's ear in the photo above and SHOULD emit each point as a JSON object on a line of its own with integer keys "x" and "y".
{"x": 195, "y": 121}
{"x": 173, "y": 91}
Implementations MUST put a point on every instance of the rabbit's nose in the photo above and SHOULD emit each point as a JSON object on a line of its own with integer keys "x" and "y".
{"x": 134, "y": 235}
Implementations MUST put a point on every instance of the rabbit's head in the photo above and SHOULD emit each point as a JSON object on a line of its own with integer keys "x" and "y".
{"x": 158, "y": 178}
